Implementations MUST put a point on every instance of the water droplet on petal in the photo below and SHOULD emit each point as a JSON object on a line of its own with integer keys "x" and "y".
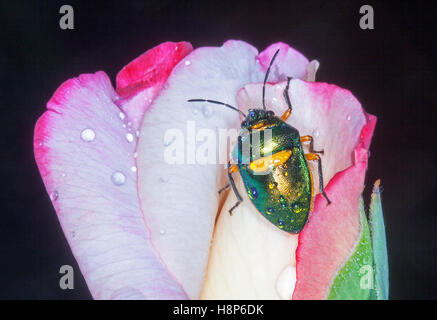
{"x": 137, "y": 133}
{"x": 121, "y": 115}
{"x": 135, "y": 154}
{"x": 39, "y": 143}
{"x": 63, "y": 174}
{"x": 162, "y": 232}
{"x": 316, "y": 133}
{"x": 118, "y": 178}
{"x": 88, "y": 135}
{"x": 167, "y": 143}
{"x": 187, "y": 63}
{"x": 207, "y": 111}
{"x": 129, "y": 137}
{"x": 54, "y": 195}
{"x": 195, "y": 109}
{"x": 348, "y": 117}
{"x": 163, "y": 179}
{"x": 133, "y": 169}
{"x": 286, "y": 282}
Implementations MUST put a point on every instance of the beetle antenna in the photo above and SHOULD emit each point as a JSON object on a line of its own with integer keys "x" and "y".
{"x": 267, "y": 75}
{"x": 218, "y": 102}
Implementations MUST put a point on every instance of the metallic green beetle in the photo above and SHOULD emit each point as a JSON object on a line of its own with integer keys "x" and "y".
{"x": 272, "y": 164}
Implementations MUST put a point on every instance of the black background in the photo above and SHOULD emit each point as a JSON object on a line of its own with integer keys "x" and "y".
{"x": 389, "y": 69}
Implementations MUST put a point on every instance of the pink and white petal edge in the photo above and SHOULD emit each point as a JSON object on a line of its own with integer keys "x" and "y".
{"x": 85, "y": 154}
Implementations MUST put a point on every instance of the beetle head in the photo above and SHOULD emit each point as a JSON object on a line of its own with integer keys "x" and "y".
{"x": 256, "y": 116}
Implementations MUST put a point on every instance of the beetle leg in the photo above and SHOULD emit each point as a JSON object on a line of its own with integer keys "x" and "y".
{"x": 287, "y": 113}
{"x": 231, "y": 169}
{"x": 224, "y": 188}
{"x": 313, "y": 156}
{"x": 311, "y": 140}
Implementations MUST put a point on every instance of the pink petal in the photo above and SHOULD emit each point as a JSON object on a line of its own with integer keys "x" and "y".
{"x": 139, "y": 82}
{"x": 101, "y": 220}
{"x": 328, "y": 239}
{"x": 288, "y": 63}
{"x": 180, "y": 202}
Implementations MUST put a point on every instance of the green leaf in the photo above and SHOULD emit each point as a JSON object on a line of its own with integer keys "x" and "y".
{"x": 356, "y": 279}
{"x": 379, "y": 244}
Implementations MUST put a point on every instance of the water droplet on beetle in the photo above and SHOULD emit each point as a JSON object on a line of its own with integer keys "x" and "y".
{"x": 88, "y": 135}
{"x": 297, "y": 207}
{"x": 118, "y": 178}
{"x": 270, "y": 210}
{"x": 272, "y": 185}
{"x": 54, "y": 195}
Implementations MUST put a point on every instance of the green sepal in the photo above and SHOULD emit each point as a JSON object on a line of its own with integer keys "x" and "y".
{"x": 355, "y": 281}
{"x": 379, "y": 244}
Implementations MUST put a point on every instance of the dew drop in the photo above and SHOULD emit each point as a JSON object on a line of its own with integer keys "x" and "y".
{"x": 348, "y": 117}
{"x": 195, "y": 109}
{"x": 281, "y": 223}
{"x": 39, "y": 143}
{"x": 187, "y": 63}
{"x": 270, "y": 210}
{"x": 297, "y": 207}
{"x": 118, "y": 178}
{"x": 286, "y": 282}
{"x": 169, "y": 142}
{"x": 54, "y": 195}
{"x": 207, "y": 111}
{"x": 129, "y": 137}
{"x": 121, "y": 115}
{"x": 88, "y": 135}
{"x": 137, "y": 133}
{"x": 253, "y": 193}
{"x": 133, "y": 169}
{"x": 272, "y": 185}
{"x": 316, "y": 133}
{"x": 135, "y": 154}
{"x": 163, "y": 179}
{"x": 162, "y": 232}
